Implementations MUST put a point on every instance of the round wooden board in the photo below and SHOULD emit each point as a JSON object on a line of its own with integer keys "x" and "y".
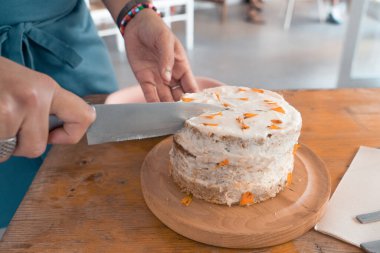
{"x": 287, "y": 216}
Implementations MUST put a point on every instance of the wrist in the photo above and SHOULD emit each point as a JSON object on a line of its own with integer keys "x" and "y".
{"x": 132, "y": 9}
{"x": 127, "y": 7}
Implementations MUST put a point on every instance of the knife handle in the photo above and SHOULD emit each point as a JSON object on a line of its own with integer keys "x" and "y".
{"x": 7, "y": 147}
{"x": 368, "y": 217}
{"x": 371, "y": 247}
{"x": 54, "y": 122}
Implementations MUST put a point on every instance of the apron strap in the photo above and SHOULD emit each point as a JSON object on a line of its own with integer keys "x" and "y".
{"x": 15, "y": 43}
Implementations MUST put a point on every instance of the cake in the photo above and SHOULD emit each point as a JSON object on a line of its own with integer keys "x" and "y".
{"x": 242, "y": 154}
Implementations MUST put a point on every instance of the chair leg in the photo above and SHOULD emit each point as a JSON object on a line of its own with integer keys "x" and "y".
{"x": 351, "y": 41}
{"x": 224, "y": 11}
{"x": 120, "y": 43}
{"x": 168, "y": 15}
{"x": 190, "y": 24}
{"x": 289, "y": 14}
{"x": 321, "y": 10}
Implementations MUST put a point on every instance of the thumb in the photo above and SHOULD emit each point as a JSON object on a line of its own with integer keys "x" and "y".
{"x": 76, "y": 114}
{"x": 166, "y": 56}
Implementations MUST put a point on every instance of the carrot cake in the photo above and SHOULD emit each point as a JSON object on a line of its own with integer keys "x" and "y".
{"x": 242, "y": 154}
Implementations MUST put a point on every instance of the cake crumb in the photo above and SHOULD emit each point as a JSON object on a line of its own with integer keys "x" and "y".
{"x": 186, "y": 201}
{"x": 247, "y": 199}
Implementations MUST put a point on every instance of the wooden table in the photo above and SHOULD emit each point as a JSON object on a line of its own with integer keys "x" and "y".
{"x": 88, "y": 198}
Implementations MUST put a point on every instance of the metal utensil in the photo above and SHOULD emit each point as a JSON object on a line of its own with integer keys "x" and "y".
{"x": 142, "y": 120}
{"x": 127, "y": 122}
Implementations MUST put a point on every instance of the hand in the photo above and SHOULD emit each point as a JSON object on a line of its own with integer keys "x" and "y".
{"x": 26, "y": 100}
{"x": 134, "y": 93}
{"x": 157, "y": 58}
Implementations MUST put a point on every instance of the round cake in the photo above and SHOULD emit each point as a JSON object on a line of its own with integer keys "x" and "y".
{"x": 241, "y": 154}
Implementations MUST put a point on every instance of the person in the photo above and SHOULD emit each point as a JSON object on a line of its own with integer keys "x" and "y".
{"x": 255, "y": 9}
{"x": 335, "y": 13}
{"x": 50, "y": 57}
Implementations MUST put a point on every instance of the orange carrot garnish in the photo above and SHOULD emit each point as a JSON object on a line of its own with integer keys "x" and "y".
{"x": 213, "y": 115}
{"x": 247, "y": 199}
{"x": 249, "y": 115}
{"x": 278, "y": 109}
{"x": 274, "y": 127}
{"x": 276, "y": 121}
{"x": 244, "y": 126}
{"x": 241, "y": 89}
{"x": 295, "y": 148}
{"x": 257, "y": 90}
{"x": 226, "y": 105}
{"x": 217, "y": 94}
{"x": 270, "y": 102}
{"x": 187, "y": 99}
{"x": 186, "y": 201}
{"x": 222, "y": 163}
{"x": 243, "y": 99}
{"x": 210, "y": 124}
{"x": 289, "y": 179}
{"x": 240, "y": 120}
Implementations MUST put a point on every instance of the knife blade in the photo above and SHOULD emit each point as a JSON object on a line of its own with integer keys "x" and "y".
{"x": 120, "y": 122}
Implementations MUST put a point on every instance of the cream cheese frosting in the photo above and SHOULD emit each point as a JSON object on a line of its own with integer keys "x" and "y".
{"x": 247, "y": 147}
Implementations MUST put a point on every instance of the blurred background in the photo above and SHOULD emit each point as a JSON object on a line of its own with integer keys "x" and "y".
{"x": 273, "y": 44}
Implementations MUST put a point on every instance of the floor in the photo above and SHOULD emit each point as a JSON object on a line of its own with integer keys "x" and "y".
{"x": 240, "y": 53}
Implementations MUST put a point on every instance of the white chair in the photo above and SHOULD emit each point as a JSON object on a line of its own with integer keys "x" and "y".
{"x": 106, "y": 26}
{"x": 165, "y": 7}
{"x": 290, "y": 6}
{"x": 359, "y": 10}
{"x": 105, "y": 23}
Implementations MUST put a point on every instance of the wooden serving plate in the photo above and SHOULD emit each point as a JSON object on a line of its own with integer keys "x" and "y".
{"x": 287, "y": 216}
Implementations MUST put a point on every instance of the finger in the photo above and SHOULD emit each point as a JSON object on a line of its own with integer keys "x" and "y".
{"x": 132, "y": 94}
{"x": 165, "y": 93}
{"x": 33, "y": 134}
{"x": 166, "y": 56}
{"x": 76, "y": 114}
{"x": 10, "y": 119}
{"x": 150, "y": 92}
{"x": 177, "y": 93}
{"x": 182, "y": 70}
{"x": 176, "y": 89}
{"x": 189, "y": 85}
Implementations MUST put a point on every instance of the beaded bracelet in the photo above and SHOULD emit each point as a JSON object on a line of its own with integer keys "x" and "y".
{"x": 133, "y": 12}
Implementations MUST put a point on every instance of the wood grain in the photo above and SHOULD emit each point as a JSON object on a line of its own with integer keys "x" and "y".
{"x": 89, "y": 199}
{"x": 287, "y": 216}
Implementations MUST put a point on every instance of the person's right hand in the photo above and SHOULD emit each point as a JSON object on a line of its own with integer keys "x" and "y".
{"x": 157, "y": 58}
{"x": 27, "y": 98}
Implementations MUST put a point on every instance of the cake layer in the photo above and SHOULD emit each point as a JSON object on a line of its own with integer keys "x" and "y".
{"x": 213, "y": 148}
{"x": 226, "y": 185}
{"x": 257, "y": 109}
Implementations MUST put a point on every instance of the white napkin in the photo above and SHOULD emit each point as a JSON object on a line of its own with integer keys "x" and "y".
{"x": 357, "y": 193}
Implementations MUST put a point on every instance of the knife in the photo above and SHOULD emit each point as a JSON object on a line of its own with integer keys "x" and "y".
{"x": 120, "y": 122}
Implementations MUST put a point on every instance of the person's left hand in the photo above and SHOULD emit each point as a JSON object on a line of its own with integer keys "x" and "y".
{"x": 157, "y": 58}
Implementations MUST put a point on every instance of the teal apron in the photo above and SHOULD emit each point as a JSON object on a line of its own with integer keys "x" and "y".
{"x": 57, "y": 38}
